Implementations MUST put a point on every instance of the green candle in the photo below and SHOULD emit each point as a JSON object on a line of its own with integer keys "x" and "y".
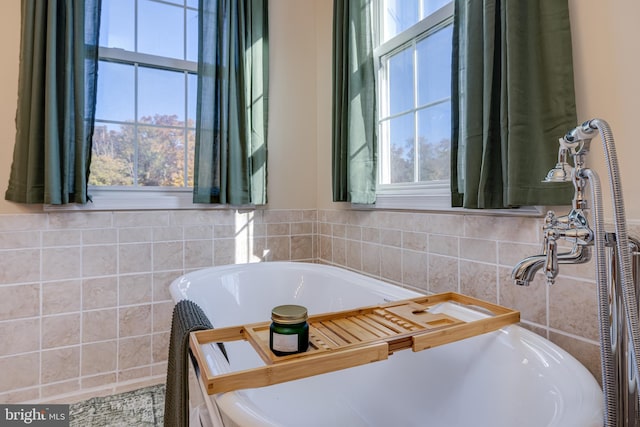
{"x": 289, "y": 330}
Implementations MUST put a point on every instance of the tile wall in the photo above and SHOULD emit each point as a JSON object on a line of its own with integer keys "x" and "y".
{"x": 84, "y": 301}
{"x": 471, "y": 254}
{"x": 84, "y": 305}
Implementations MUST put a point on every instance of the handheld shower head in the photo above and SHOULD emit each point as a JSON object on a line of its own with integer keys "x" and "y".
{"x": 562, "y": 171}
{"x": 576, "y": 143}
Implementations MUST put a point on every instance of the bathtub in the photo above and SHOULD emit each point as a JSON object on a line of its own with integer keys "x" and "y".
{"x": 500, "y": 379}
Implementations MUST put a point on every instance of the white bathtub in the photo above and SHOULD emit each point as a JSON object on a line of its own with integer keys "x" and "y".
{"x": 511, "y": 377}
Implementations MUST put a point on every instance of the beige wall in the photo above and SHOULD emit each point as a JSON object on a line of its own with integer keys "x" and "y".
{"x": 9, "y": 47}
{"x": 292, "y": 108}
{"x": 605, "y": 41}
{"x": 324, "y": 28}
{"x": 604, "y": 37}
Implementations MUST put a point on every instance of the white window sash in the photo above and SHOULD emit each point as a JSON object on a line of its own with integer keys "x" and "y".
{"x": 422, "y": 195}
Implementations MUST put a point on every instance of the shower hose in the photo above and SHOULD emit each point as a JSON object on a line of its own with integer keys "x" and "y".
{"x": 623, "y": 258}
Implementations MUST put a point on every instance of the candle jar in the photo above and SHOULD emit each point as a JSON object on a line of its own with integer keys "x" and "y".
{"x": 289, "y": 330}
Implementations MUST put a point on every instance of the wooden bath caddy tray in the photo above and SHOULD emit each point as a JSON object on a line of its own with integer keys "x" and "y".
{"x": 344, "y": 339}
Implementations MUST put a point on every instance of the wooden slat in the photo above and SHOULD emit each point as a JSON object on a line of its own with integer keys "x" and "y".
{"x": 426, "y": 299}
{"x": 417, "y": 314}
{"x": 471, "y": 301}
{"x": 194, "y": 344}
{"x": 459, "y": 332}
{"x": 399, "y": 321}
{"x": 298, "y": 368}
{"x": 383, "y": 320}
{"x": 355, "y": 330}
{"x": 375, "y": 329}
{"x": 320, "y": 341}
{"x": 232, "y": 333}
{"x": 373, "y": 321}
{"x": 337, "y": 328}
{"x": 322, "y": 328}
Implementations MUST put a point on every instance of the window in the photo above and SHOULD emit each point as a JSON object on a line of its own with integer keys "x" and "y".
{"x": 146, "y": 101}
{"x": 414, "y": 102}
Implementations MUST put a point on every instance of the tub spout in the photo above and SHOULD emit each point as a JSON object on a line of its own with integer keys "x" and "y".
{"x": 524, "y": 272}
{"x": 526, "y": 269}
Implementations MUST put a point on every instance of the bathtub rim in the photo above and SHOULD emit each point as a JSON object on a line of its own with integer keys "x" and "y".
{"x": 177, "y": 291}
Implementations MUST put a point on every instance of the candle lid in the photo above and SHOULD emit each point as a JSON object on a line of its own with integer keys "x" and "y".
{"x": 289, "y": 314}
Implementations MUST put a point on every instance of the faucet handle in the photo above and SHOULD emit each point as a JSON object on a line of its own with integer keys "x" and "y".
{"x": 550, "y": 220}
{"x": 551, "y": 251}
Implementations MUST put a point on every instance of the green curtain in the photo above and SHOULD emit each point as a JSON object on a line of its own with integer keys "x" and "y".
{"x": 56, "y": 101}
{"x": 513, "y": 97}
{"x": 354, "y": 155}
{"x": 231, "y": 123}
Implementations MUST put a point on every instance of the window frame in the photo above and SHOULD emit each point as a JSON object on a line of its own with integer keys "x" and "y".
{"x": 422, "y": 196}
{"x": 434, "y": 195}
{"x": 138, "y": 197}
{"x": 126, "y": 198}
{"x": 161, "y": 63}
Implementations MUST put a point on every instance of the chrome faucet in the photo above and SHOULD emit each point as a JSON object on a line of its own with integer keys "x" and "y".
{"x": 616, "y": 275}
{"x": 524, "y": 272}
{"x": 573, "y": 227}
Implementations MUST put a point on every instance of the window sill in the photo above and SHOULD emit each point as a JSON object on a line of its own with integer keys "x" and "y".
{"x": 140, "y": 199}
{"x": 436, "y": 198}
